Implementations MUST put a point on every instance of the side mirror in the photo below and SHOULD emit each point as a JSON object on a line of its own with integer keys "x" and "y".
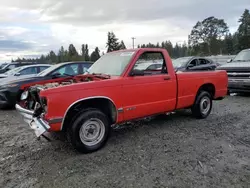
{"x": 229, "y": 60}
{"x": 190, "y": 66}
{"x": 137, "y": 72}
{"x": 55, "y": 75}
{"x": 18, "y": 74}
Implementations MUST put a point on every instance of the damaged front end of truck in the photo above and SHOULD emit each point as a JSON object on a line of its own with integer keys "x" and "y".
{"x": 33, "y": 107}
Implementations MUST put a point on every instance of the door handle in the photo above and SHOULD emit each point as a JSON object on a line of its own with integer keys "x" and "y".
{"x": 167, "y": 78}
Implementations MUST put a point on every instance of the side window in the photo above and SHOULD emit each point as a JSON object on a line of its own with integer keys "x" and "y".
{"x": 11, "y": 67}
{"x": 43, "y": 68}
{"x": 151, "y": 63}
{"x": 30, "y": 70}
{"x": 83, "y": 67}
{"x": 67, "y": 70}
{"x": 203, "y": 62}
{"x": 193, "y": 63}
{"x": 208, "y": 61}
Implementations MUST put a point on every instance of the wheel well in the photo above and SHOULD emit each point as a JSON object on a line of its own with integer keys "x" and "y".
{"x": 103, "y": 104}
{"x": 209, "y": 88}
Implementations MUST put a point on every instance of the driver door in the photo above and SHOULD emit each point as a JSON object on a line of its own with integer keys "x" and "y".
{"x": 151, "y": 93}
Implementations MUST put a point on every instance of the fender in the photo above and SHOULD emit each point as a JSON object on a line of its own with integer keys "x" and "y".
{"x": 88, "y": 98}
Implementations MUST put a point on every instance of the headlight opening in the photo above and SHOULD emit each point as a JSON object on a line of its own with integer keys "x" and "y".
{"x": 24, "y": 95}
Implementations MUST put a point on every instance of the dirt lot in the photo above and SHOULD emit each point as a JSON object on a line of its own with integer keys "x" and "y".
{"x": 170, "y": 151}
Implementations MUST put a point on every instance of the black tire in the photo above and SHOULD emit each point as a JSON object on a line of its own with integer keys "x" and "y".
{"x": 202, "y": 99}
{"x": 82, "y": 120}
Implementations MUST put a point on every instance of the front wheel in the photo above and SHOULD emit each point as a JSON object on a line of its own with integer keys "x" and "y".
{"x": 203, "y": 105}
{"x": 89, "y": 131}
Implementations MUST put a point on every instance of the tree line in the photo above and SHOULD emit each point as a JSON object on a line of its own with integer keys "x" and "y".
{"x": 63, "y": 55}
{"x": 208, "y": 37}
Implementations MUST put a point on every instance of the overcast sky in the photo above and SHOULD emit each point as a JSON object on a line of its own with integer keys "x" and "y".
{"x": 30, "y": 28}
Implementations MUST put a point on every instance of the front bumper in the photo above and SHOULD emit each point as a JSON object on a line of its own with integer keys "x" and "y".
{"x": 240, "y": 85}
{"x": 37, "y": 124}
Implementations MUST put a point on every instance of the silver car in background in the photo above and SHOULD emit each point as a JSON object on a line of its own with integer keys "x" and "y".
{"x": 25, "y": 70}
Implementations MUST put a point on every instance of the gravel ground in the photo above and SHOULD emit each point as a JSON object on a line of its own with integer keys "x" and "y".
{"x": 166, "y": 151}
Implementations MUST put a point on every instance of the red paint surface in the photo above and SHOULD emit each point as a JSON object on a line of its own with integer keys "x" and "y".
{"x": 146, "y": 95}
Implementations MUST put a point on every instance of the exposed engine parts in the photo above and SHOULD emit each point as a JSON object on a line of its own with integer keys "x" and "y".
{"x": 52, "y": 85}
{"x": 32, "y": 99}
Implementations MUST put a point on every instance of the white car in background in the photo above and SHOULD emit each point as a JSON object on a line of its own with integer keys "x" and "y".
{"x": 25, "y": 70}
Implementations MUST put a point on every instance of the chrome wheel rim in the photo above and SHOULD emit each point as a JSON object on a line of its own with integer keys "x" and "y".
{"x": 205, "y": 105}
{"x": 92, "y": 132}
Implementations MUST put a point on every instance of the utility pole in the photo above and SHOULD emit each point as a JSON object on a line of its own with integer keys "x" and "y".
{"x": 133, "y": 41}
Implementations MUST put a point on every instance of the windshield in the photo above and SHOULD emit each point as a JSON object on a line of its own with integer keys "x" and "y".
{"x": 13, "y": 71}
{"x": 177, "y": 63}
{"x": 111, "y": 63}
{"x": 48, "y": 70}
{"x": 243, "y": 56}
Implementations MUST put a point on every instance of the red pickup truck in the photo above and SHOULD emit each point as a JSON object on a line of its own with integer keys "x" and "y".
{"x": 115, "y": 91}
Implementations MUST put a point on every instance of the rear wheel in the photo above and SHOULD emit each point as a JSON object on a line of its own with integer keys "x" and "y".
{"x": 203, "y": 105}
{"x": 89, "y": 131}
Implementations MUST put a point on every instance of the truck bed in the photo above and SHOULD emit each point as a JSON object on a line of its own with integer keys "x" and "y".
{"x": 187, "y": 90}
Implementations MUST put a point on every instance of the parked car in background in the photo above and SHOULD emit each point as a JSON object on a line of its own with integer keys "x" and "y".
{"x": 194, "y": 63}
{"x": 114, "y": 91}
{"x": 149, "y": 66}
{"x": 11, "y": 66}
{"x": 2, "y": 65}
{"x": 25, "y": 70}
{"x": 10, "y": 88}
{"x": 238, "y": 71}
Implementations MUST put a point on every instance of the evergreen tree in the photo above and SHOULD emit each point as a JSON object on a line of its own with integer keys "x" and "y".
{"x": 52, "y": 57}
{"x": 86, "y": 54}
{"x": 66, "y": 56}
{"x": 169, "y": 47}
{"x": 61, "y": 55}
{"x": 244, "y": 31}
{"x": 42, "y": 59}
{"x": 72, "y": 53}
{"x": 112, "y": 43}
{"x": 95, "y": 55}
{"x": 229, "y": 44}
{"x": 122, "y": 46}
{"x": 235, "y": 43}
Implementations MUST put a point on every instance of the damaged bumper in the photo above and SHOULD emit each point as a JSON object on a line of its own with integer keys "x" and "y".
{"x": 37, "y": 124}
